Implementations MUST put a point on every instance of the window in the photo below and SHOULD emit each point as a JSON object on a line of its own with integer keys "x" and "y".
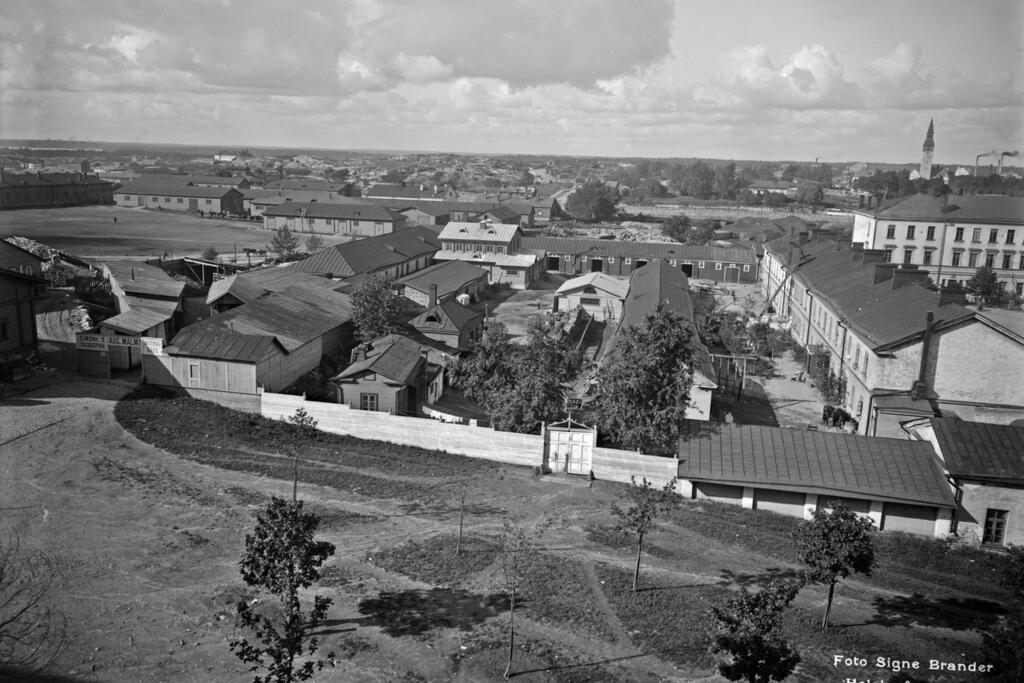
{"x": 700, "y": 264}
{"x": 993, "y": 236}
{"x": 209, "y": 202}
{"x": 156, "y": 199}
{"x": 167, "y": 200}
{"x": 193, "y": 371}
{"x": 718, "y": 266}
{"x": 890, "y": 232}
{"x": 910, "y": 231}
{"x": 3, "y": 329}
{"x": 368, "y": 402}
{"x": 972, "y": 260}
{"x": 995, "y": 526}
{"x": 908, "y": 255}
{"x": 930, "y": 233}
{"x": 864, "y": 369}
{"x": 990, "y": 260}
{"x": 1020, "y": 263}
{"x": 976, "y": 235}
{"x": 611, "y": 259}
{"x": 888, "y": 254}
{"x": 590, "y": 301}
{"x": 927, "y": 259}
{"x": 627, "y": 261}
{"x": 959, "y": 235}
{"x": 127, "y": 197}
{"x": 746, "y": 269}
{"x": 1007, "y": 261}
{"x": 181, "y": 200}
{"x": 1010, "y": 234}
{"x": 957, "y": 255}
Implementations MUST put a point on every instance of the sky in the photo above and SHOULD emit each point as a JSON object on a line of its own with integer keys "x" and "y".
{"x": 725, "y": 79}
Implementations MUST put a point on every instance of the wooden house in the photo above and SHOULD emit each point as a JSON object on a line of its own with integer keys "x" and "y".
{"x": 390, "y": 374}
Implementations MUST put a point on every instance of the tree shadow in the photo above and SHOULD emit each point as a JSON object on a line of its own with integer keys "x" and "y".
{"x": 23, "y": 402}
{"x": 958, "y": 614}
{"x": 583, "y": 665}
{"x": 413, "y": 612}
{"x": 730, "y": 578}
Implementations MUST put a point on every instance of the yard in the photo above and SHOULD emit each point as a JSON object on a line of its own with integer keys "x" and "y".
{"x": 143, "y": 503}
{"x": 91, "y": 231}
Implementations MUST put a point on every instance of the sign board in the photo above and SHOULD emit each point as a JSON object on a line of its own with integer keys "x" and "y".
{"x": 90, "y": 342}
{"x": 152, "y": 346}
{"x": 103, "y": 342}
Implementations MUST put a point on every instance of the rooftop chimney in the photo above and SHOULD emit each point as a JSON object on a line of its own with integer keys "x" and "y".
{"x": 883, "y": 272}
{"x": 951, "y": 295}
{"x": 803, "y": 237}
{"x": 920, "y": 389}
{"x": 433, "y": 296}
{"x": 873, "y": 256}
{"x": 908, "y": 274}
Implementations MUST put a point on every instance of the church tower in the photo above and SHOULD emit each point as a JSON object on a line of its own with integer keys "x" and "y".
{"x": 927, "y": 151}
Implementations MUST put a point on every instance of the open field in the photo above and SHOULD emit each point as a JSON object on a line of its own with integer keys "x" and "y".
{"x": 90, "y": 231}
{"x": 144, "y": 503}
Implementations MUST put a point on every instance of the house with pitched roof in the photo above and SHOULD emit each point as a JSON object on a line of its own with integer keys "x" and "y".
{"x": 450, "y": 323}
{"x": 252, "y": 285}
{"x": 174, "y": 196}
{"x": 495, "y": 248}
{"x": 897, "y": 483}
{"x": 267, "y": 344}
{"x": 390, "y": 374}
{"x": 600, "y": 295}
{"x": 348, "y": 218}
{"x": 19, "y": 290}
{"x": 442, "y": 282}
{"x": 35, "y": 190}
{"x": 392, "y": 255}
{"x": 985, "y": 464}
{"x": 949, "y": 237}
{"x": 903, "y": 351}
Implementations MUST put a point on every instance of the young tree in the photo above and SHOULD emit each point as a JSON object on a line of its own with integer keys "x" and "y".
{"x": 643, "y": 390}
{"x": 314, "y": 243}
{"x": 639, "y": 517}
{"x": 31, "y": 631}
{"x": 210, "y": 254}
{"x": 306, "y": 430}
{"x": 676, "y": 228}
{"x": 517, "y": 550}
{"x": 374, "y": 307}
{"x": 985, "y": 285}
{"x": 834, "y": 543}
{"x": 281, "y": 557}
{"x": 284, "y": 243}
{"x": 747, "y": 632}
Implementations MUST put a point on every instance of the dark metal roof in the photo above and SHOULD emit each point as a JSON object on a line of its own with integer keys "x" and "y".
{"x": 642, "y": 250}
{"x": 825, "y": 463}
{"x": 452, "y": 317}
{"x": 371, "y": 253}
{"x": 960, "y": 208}
{"x": 449, "y": 277}
{"x": 981, "y": 450}
{"x": 392, "y": 356}
{"x": 253, "y": 284}
{"x": 219, "y": 344}
{"x": 136, "y": 277}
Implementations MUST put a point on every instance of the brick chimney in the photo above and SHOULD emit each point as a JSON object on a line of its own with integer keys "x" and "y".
{"x": 873, "y": 256}
{"x": 952, "y": 295}
{"x": 909, "y": 274}
{"x": 883, "y": 272}
{"x": 803, "y": 237}
{"x": 433, "y": 296}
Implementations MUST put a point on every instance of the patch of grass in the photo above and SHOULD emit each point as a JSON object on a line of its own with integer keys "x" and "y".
{"x": 755, "y": 530}
{"x": 433, "y": 560}
{"x": 185, "y": 426}
{"x": 609, "y": 536}
{"x": 663, "y": 619}
{"x": 557, "y": 591}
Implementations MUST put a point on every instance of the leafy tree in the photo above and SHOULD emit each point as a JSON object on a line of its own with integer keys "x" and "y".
{"x": 518, "y": 549}
{"x": 698, "y": 180}
{"x": 676, "y": 228}
{"x": 833, "y": 544}
{"x": 374, "y": 307}
{"x": 592, "y": 201}
{"x": 306, "y": 431}
{"x": 281, "y": 557}
{"x": 985, "y": 285}
{"x": 314, "y": 243}
{"x": 747, "y": 632}
{"x": 809, "y": 192}
{"x": 790, "y": 172}
{"x": 726, "y": 181}
{"x": 643, "y": 389}
{"x": 284, "y": 243}
{"x": 639, "y": 517}
{"x": 210, "y": 254}
{"x": 31, "y": 631}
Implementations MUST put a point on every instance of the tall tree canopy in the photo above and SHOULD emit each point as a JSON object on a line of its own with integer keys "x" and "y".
{"x": 593, "y": 201}
{"x": 374, "y": 307}
{"x": 643, "y": 389}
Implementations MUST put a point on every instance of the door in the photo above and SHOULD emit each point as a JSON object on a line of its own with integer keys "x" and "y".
{"x": 596, "y": 265}
{"x": 570, "y": 451}
{"x": 732, "y": 274}
{"x": 193, "y": 203}
{"x": 688, "y": 269}
{"x": 580, "y": 454}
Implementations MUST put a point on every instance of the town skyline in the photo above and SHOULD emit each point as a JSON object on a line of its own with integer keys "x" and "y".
{"x": 666, "y": 80}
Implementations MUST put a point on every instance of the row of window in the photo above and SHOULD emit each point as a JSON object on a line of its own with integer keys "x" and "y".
{"x": 167, "y": 200}
{"x": 993, "y": 259}
{"x": 958, "y": 235}
{"x": 485, "y": 248}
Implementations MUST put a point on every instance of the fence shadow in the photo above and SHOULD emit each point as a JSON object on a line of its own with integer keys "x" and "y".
{"x": 958, "y": 614}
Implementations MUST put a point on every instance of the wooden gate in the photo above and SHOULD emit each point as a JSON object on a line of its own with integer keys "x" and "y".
{"x": 569, "y": 447}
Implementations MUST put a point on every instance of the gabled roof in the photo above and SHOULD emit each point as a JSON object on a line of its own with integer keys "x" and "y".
{"x": 641, "y": 250}
{"x": 825, "y": 463}
{"x": 219, "y": 344}
{"x": 42, "y": 179}
{"x": 429, "y": 208}
{"x": 449, "y": 277}
{"x": 136, "y": 277}
{"x": 1010, "y": 323}
{"x": 167, "y": 189}
{"x": 411, "y": 191}
{"x": 447, "y": 316}
{"x": 371, "y": 253}
{"x": 962, "y": 208}
{"x": 392, "y": 356}
{"x": 364, "y": 211}
{"x": 484, "y": 231}
{"x": 502, "y": 213}
{"x": 137, "y": 320}
{"x": 981, "y": 450}
{"x": 6, "y": 244}
{"x": 616, "y": 286}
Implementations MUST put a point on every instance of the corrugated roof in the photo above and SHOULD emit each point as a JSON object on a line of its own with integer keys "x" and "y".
{"x": 205, "y": 342}
{"x": 981, "y": 450}
{"x": 137, "y": 320}
{"x": 825, "y": 463}
{"x": 392, "y": 356}
{"x": 449, "y": 277}
{"x": 371, "y": 253}
{"x": 484, "y": 231}
{"x": 641, "y": 250}
{"x": 136, "y": 277}
{"x": 364, "y": 211}
{"x": 963, "y": 208}
{"x": 616, "y": 286}
{"x": 253, "y": 284}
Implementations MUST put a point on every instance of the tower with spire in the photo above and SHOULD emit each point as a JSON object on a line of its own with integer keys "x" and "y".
{"x": 927, "y": 151}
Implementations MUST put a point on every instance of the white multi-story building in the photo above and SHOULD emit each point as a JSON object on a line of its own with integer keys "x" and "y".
{"x": 951, "y": 236}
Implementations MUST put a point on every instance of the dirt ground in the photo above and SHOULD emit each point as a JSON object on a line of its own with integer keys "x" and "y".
{"x": 517, "y": 310}
{"x": 147, "y": 544}
{"x": 90, "y": 231}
